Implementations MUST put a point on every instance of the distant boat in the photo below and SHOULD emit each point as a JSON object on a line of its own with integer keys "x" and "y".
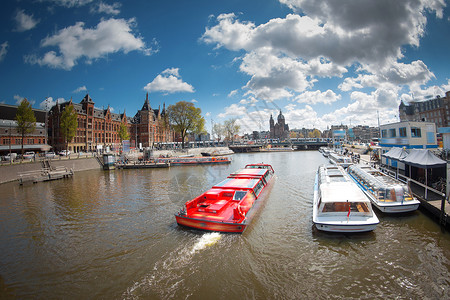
{"x": 340, "y": 160}
{"x": 339, "y": 205}
{"x": 190, "y": 161}
{"x": 230, "y": 205}
{"x": 389, "y": 195}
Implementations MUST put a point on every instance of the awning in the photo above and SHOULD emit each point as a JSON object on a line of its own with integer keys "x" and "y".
{"x": 396, "y": 153}
{"x": 423, "y": 158}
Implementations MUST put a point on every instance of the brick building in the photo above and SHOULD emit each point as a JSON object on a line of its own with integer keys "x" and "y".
{"x": 97, "y": 128}
{"x": 150, "y": 126}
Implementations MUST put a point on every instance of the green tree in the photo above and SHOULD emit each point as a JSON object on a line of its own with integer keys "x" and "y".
{"x": 26, "y": 121}
{"x": 185, "y": 118}
{"x": 68, "y": 124}
{"x": 123, "y": 132}
{"x": 231, "y": 129}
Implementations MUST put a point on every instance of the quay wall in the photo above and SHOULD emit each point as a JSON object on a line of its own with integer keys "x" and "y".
{"x": 11, "y": 172}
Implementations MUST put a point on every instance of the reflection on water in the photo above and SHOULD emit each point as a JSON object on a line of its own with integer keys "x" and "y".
{"x": 114, "y": 235}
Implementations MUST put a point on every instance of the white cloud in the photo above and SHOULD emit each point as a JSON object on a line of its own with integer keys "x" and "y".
{"x": 284, "y": 56}
{"x": 19, "y": 99}
{"x": 47, "y": 103}
{"x": 232, "y": 93}
{"x": 3, "y": 50}
{"x": 169, "y": 81}
{"x": 24, "y": 22}
{"x": 315, "y": 97}
{"x": 69, "y": 3}
{"x": 102, "y": 7}
{"x": 76, "y": 42}
{"x": 80, "y": 89}
{"x": 194, "y": 101}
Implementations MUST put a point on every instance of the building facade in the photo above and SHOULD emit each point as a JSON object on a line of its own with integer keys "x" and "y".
{"x": 435, "y": 110}
{"x": 408, "y": 135}
{"x": 150, "y": 127}
{"x": 280, "y": 130}
{"x": 97, "y": 129}
{"x": 11, "y": 139}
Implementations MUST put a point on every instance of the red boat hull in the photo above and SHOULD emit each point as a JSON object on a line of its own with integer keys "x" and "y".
{"x": 210, "y": 225}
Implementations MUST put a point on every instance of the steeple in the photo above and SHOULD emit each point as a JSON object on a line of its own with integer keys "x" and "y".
{"x": 146, "y": 105}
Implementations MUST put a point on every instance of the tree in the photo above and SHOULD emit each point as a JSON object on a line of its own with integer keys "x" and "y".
{"x": 185, "y": 118}
{"x": 218, "y": 130}
{"x": 123, "y": 132}
{"x": 68, "y": 124}
{"x": 231, "y": 129}
{"x": 26, "y": 121}
{"x": 314, "y": 134}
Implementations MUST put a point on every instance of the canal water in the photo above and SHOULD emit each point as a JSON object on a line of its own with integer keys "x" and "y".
{"x": 113, "y": 235}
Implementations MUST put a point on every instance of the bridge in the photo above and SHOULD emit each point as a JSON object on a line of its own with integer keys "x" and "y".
{"x": 294, "y": 145}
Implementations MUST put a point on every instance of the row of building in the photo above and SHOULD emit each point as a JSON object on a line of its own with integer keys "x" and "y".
{"x": 97, "y": 129}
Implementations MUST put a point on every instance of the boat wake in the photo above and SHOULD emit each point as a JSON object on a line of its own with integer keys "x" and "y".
{"x": 207, "y": 240}
{"x": 167, "y": 277}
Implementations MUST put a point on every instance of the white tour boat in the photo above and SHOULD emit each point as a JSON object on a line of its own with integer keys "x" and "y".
{"x": 339, "y": 205}
{"x": 389, "y": 195}
{"x": 340, "y": 160}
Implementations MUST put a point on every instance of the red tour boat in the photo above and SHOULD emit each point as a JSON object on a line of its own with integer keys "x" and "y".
{"x": 230, "y": 205}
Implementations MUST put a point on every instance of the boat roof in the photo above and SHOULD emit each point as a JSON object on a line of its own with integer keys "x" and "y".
{"x": 253, "y": 172}
{"x": 379, "y": 181}
{"x": 238, "y": 183}
{"x": 342, "y": 192}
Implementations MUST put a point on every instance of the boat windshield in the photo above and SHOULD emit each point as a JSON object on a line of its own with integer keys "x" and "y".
{"x": 239, "y": 195}
{"x": 344, "y": 207}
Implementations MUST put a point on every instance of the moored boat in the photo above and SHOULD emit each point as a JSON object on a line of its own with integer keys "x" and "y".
{"x": 230, "y": 205}
{"x": 189, "y": 161}
{"x": 387, "y": 194}
{"x": 340, "y": 160}
{"x": 339, "y": 205}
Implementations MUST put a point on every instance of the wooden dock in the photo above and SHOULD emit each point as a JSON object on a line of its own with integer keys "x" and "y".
{"x": 45, "y": 174}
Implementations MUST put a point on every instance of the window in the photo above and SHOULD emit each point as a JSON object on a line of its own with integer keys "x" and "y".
{"x": 392, "y": 133}
{"x": 402, "y": 132}
{"x": 415, "y": 132}
{"x": 384, "y": 133}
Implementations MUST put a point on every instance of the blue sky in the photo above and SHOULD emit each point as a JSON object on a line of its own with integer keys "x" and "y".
{"x": 320, "y": 62}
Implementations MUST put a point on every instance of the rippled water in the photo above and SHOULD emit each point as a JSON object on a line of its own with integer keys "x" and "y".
{"x": 113, "y": 235}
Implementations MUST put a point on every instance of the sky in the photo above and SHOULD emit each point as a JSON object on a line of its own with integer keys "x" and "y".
{"x": 320, "y": 63}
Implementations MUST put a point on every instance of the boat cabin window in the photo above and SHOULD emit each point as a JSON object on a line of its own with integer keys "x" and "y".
{"x": 239, "y": 195}
{"x": 258, "y": 187}
{"x": 344, "y": 207}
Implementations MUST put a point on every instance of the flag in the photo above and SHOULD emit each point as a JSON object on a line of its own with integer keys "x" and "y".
{"x": 348, "y": 214}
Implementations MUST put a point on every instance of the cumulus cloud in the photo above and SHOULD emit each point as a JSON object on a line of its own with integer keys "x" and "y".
{"x": 3, "y": 50}
{"x": 48, "y": 103}
{"x": 80, "y": 89}
{"x": 102, "y": 7}
{"x": 169, "y": 81}
{"x": 24, "y": 22}
{"x": 76, "y": 42}
{"x": 315, "y": 97}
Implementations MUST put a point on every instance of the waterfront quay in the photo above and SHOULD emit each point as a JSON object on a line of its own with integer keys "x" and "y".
{"x": 113, "y": 234}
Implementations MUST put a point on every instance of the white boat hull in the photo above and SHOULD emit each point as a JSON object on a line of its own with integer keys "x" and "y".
{"x": 348, "y": 228}
{"x": 395, "y": 209}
